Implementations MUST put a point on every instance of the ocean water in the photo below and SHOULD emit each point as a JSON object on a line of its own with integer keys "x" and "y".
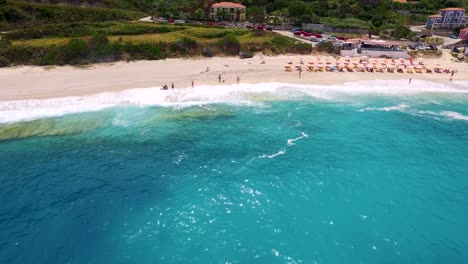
{"x": 367, "y": 172}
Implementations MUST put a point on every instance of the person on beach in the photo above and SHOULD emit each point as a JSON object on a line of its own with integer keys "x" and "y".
{"x": 451, "y": 76}
{"x": 219, "y": 78}
{"x": 207, "y": 69}
{"x": 172, "y": 85}
{"x": 238, "y": 79}
{"x": 300, "y": 73}
{"x": 193, "y": 83}
{"x": 409, "y": 81}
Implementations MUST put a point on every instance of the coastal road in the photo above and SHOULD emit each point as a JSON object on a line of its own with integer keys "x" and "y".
{"x": 291, "y": 35}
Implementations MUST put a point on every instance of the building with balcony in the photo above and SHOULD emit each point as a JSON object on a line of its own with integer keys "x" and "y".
{"x": 448, "y": 18}
{"x": 228, "y": 11}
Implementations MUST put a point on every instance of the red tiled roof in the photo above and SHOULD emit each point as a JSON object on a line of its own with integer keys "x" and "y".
{"x": 228, "y": 5}
{"x": 435, "y": 16}
{"x": 452, "y": 9}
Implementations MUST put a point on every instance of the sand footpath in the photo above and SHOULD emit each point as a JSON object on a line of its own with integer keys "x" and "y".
{"x": 32, "y": 82}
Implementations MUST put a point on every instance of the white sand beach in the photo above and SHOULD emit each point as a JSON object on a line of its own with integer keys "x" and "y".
{"x": 32, "y": 82}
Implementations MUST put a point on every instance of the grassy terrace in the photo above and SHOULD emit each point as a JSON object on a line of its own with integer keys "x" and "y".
{"x": 202, "y": 35}
{"x": 82, "y": 43}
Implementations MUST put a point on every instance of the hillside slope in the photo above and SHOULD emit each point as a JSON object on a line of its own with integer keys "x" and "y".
{"x": 14, "y": 14}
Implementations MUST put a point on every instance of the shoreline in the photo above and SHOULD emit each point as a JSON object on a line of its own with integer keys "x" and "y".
{"x": 35, "y": 82}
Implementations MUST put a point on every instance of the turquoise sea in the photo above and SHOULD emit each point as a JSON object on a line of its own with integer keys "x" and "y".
{"x": 368, "y": 172}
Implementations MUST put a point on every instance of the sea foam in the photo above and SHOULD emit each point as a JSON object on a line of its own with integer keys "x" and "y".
{"x": 26, "y": 110}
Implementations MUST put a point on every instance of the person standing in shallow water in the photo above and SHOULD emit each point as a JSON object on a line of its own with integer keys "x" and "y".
{"x": 219, "y": 78}
{"x": 172, "y": 85}
{"x": 300, "y": 73}
{"x": 238, "y": 79}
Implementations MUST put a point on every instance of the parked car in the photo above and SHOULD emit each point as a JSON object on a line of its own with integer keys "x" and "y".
{"x": 305, "y": 34}
{"x": 415, "y": 46}
{"x": 269, "y": 28}
{"x": 341, "y": 38}
{"x": 260, "y": 28}
{"x": 453, "y": 36}
{"x": 313, "y": 39}
{"x": 209, "y": 23}
{"x": 171, "y": 21}
{"x": 332, "y": 38}
{"x": 297, "y": 33}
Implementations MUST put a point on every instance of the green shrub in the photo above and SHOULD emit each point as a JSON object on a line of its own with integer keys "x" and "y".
{"x": 53, "y": 56}
{"x": 282, "y": 41}
{"x": 207, "y": 52}
{"x": 13, "y": 14}
{"x": 19, "y": 54}
{"x": 189, "y": 43}
{"x": 328, "y": 47}
{"x": 75, "y": 50}
{"x": 144, "y": 51}
{"x": 4, "y": 62}
{"x": 230, "y": 45}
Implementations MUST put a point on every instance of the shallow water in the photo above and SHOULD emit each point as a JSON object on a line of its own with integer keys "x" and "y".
{"x": 369, "y": 172}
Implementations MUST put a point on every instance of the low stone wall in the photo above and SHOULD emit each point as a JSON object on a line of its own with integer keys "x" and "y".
{"x": 376, "y": 54}
{"x": 324, "y": 28}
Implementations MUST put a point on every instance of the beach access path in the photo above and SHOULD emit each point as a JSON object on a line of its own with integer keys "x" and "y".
{"x": 33, "y": 82}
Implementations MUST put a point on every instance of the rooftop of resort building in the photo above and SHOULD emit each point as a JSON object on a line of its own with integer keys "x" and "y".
{"x": 452, "y": 9}
{"x": 228, "y": 5}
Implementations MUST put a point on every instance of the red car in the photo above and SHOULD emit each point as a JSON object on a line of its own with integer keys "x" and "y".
{"x": 260, "y": 28}
{"x": 209, "y": 23}
{"x": 305, "y": 34}
{"x": 170, "y": 21}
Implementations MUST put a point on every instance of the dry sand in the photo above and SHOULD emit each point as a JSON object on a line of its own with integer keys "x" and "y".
{"x": 31, "y": 82}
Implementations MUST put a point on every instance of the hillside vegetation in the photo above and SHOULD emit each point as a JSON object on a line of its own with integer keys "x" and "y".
{"x": 14, "y": 14}
{"x": 117, "y": 41}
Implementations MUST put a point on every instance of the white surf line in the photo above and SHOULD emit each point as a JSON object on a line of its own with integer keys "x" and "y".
{"x": 290, "y": 142}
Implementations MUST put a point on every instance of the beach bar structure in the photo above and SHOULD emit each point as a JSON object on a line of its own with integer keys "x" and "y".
{"x": 373, "y": 49}
{"x": 228, "y": 11}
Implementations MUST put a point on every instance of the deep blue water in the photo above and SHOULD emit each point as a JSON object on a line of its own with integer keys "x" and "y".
{"x": 365, "y": 179}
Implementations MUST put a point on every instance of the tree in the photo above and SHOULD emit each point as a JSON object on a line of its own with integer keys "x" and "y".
{"x": 256, "y": 15}
{"x": 401, "y": 31}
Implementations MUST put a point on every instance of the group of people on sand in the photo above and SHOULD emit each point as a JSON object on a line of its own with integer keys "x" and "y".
{"x": 165, "y": 87}
{"x": 220, "y": 80}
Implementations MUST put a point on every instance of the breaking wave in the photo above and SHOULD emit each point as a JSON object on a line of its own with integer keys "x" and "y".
{"x": 243, "y": 94}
